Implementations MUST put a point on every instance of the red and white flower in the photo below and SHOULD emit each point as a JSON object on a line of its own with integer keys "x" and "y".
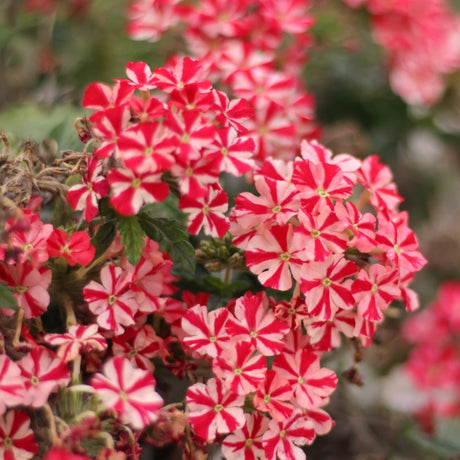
{"x": 78, "y": 339}
{"x": 17, "y": 440}
{"x": 214, "y": 409}
{"x": 207, "y": 212}
{"x": 246, "y": 442}
{"x": 240, "y": 368}
{"x": 205, "y": 331}
{"x": 254, "y": 323}
{"x": 12, "y": 387}
{"x": 282, "y": 438}
{"x": 311, "y": 383}
{"x": 112, "y": 302}
{"x": 128, "y": 391}
{"x": 43, "y": 373}
{"x": 275, "y": 256}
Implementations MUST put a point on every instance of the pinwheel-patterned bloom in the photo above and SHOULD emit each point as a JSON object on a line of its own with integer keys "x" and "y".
{"x": 375, "y": 290}
{"x": 84, "y": 197}
{"x": 128, "y": 391}
{"x": 130, "y": 190}
{"x": 325, "y": 287}
{"x": 280, "y": 439}
{"x": 206, "y": 330}
{"x": 319, "y": 184}
{"x": 12, "y": 388}
{"x": 76, "y": 248}
{"x": 17, "y": 441}
{"x": 207, "y": 212}
{"x": 253, "y": 323}
{"x": 246, "y": 442}
{"x": 272, "y": 396}
{"x": 239, "y": 368}
{"x": 76, "y": 340}
{"x": 30, "y": 286}
{"x": 213, "y": 409}
{"x": 274, "y": 255}
{"x": 43, "y": 374}
{"x": 310, "y": 382}
{"x": 112, "y": 301}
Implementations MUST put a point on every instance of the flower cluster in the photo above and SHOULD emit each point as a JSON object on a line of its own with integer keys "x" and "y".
{"x": 104, "y": 308}
{"x": 422, "y": 42}
{"x": 257, "y": 49}
{"x": 433, "y": 366}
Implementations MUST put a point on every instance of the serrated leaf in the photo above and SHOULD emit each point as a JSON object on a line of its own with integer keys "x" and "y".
{"x": 7, "y": 299}
{"x": 131, "y": 236}
{"x": 164, "y": 231}
{"x": 104, "y": 237}
{"x": 172, "y": 238}
{"x": 183, "y": 255}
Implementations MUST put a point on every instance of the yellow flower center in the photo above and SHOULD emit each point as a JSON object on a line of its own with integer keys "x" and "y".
{"x": 7, "y": 443}
{"x": 237, "y": 371}
{"x": 218, "y": 408}
{"x": 112, "y": 299}
{"x": 253, "y": 334}
{"x": 282, "y": 434}
{"x": 148, "y": 151}
{"x": 212, "y": 339}
{"x": 374, "y": 288}
{"x": 136, "y": 183}
{"x": 301, "y": 380}
{"x": 285, "y": 256}
{"x": 322, "y": 193}
{"x": 326, "y": 282}
{"x": 276, "y": 208}
{"x": 34, "y": 380}
{"x": 27, "y": 247}
{"x": 21, "y": 289}
{"x": 224, "y": 151}
{"x": 315, "y": 233}
{"x": 267, "y": 399}
{"x": 123, "y": 396}
{"x": 249, "y": 442}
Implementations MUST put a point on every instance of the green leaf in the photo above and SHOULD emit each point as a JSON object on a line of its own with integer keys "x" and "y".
{"x": 183, "y": 255}
{"x": 172, "y": 238}
{"x": 7, "y": 299}
{"x": 131, "y": 236}
{"x": 104, "y": 237}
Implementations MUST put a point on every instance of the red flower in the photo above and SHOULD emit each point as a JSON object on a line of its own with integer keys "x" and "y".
{"x": 76, "y": 248}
